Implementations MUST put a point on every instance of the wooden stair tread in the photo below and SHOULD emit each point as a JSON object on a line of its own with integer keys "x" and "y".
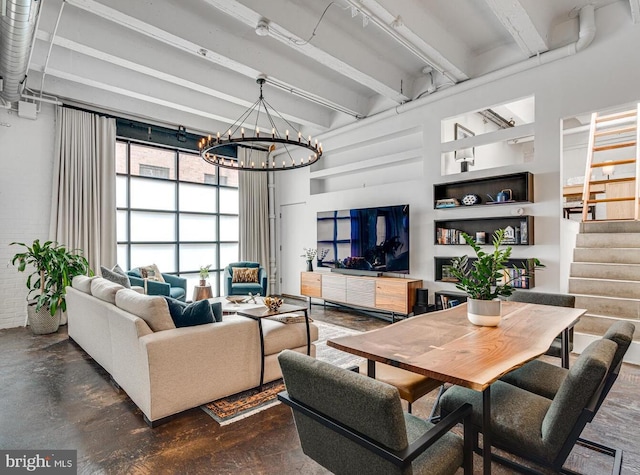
{"x": 622, "y": 130}
{"x": 610, "y": 200}
{"x": 602, "y": 148}
{"x": 618, "y": 115}
{"x": 626, "y": 161}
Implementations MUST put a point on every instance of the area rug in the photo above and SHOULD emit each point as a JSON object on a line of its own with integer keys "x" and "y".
{"x": 247, "y": 403}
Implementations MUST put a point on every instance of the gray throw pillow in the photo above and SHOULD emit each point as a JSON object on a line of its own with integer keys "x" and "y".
{"x": 116, "y": 275}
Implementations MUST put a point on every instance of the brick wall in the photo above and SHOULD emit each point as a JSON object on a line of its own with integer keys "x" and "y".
{"x": 26, "y": 164}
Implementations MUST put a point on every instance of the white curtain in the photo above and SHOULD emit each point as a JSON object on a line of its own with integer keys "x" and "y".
{"x": 83, "y": 204}
{"x": 254, "y": 211}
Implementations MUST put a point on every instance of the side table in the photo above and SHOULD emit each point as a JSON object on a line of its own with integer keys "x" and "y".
{"x": 262, "y": 312}
{"x": 201, "y": 292}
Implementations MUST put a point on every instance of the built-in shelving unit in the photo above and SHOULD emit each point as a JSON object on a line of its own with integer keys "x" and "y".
{"x": 517, "y": 277}
{"x": 447, "y": 299}
{"x": 520, "y": 186}
{"x": 448, "y": 231}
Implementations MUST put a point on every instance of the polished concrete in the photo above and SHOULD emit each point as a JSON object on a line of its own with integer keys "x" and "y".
{"x": 53, "y": 396}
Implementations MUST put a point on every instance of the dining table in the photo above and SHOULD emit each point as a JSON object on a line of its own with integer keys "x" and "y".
{"x": 446, "y": 346}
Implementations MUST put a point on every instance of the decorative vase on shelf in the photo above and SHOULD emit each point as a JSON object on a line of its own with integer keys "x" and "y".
{"x": 309, "y": 266}
{"x": 203, "y": 282}
{"x": 486, "y": 313}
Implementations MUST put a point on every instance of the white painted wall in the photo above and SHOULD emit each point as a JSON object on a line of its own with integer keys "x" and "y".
{"x": 599, "y": 77}
{"x": 26, "y": 162}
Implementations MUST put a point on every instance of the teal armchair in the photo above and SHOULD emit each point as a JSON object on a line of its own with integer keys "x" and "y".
{"x": 173, "y": 286}
{"x": 244, "y": 288}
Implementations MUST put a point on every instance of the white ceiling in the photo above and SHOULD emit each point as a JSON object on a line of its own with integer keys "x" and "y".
{"x": 195, "y": 62}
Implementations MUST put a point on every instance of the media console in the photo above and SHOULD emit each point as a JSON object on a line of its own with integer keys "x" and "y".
{"x": 386, "y": 294}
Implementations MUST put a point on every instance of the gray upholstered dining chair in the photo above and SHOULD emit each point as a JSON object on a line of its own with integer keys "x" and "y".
{"x": 557, "y": 300}
{"x": 533, "y": 427}
{"x": 545, "y": 379}
{"x": 352, "y": 424}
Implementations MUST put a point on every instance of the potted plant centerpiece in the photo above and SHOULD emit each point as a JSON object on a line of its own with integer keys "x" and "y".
{"x": 204, "y": 274}
{"x": 54, "y": 267}
{"x": 487, "y": 278}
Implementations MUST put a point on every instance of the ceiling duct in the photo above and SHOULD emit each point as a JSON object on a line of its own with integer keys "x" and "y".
{"x": 17, "y": 28}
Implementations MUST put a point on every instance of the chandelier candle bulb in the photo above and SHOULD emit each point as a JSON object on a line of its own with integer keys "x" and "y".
{"x": 273, "y": 133}
{"x": 242, "y": 132}
{"x": 309, "y": 140}
{"x": 229, "y": 133}
{"x": 283, "y": 165}
{"x": 299, "y": 136}
{"x": 258, "y": 132}
{"x": 218, "y": 136}
{"x": 287, "y": 135}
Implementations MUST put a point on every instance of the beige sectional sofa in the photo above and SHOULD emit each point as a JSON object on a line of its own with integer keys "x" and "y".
{"x": 169, "y": 370}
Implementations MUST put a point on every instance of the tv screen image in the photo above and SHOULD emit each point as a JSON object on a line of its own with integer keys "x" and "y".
{"x": 366, "y": 239}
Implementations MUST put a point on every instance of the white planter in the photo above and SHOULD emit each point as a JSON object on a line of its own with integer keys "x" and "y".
{"x": 485, "y": 313}
{"x": 41, "y": 322}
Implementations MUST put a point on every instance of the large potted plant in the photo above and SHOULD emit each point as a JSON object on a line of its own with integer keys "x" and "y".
{"x": 487, "y": 278}
{"x": 54, "y": 266}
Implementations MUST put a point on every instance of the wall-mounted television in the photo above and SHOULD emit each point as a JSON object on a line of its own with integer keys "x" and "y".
{"x": 365, "y": 239}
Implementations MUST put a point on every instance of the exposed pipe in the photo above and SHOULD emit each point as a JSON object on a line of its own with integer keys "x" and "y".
{"x": 53, "y": 36}
{"x": 586, "y": 35}
{"x": 17, "y": 29}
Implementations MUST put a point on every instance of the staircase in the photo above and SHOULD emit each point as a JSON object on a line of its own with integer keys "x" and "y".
{"x": 605, "y": 275}
{"x": 610, "y": 133}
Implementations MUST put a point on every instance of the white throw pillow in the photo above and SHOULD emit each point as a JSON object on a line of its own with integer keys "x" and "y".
{"x": 82, "y": 283}
{"x": 105, "y": 289}
{"x": 153, "y": 309}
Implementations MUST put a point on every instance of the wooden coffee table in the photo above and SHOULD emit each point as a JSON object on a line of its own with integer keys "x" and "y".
{"x": 229, "y": 307}
{"x": 261, "y": 312}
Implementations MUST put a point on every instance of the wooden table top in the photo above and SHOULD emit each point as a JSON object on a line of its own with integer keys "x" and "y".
{"x": 263, "y": 312}
{"x": 445, "y": 346}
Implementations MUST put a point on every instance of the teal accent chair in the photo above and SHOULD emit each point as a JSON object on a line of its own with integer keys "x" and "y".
{"x": 352, "y": 424}
{"x": 237, "y": 288}
{"x": 173, "y": 286}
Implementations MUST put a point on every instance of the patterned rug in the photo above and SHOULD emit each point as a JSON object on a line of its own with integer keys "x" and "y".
{"x": 247, "y": 403}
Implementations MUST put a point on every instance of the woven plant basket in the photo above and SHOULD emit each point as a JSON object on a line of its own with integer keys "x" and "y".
{"x": 41, "y": 322}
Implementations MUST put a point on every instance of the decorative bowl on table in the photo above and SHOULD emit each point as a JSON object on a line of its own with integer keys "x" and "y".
{"x": 236, "y": 299}
{"x": 273, "y": 303}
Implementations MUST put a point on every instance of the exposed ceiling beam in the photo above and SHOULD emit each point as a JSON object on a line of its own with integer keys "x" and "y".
{"x": 635, "y": 11}
{"x": 251, "y": 18}
{"x": 395, "y": 27}
{"x": 155, "y": 73}
{"x": 516, "y": 20}
{"x": 129, "y": 93}
{"x": 182, "y": 44}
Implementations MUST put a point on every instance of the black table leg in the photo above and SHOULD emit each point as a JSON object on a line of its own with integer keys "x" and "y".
{"x": 261, "y": 354}
{"x": 486, "y": 431}
{"x": 564, "y": 349}
{"x": 371, "y": 369}
{"x": 306, "y": 320}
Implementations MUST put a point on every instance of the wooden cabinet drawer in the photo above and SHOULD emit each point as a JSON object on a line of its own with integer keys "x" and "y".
{"x": 334, "y": 287}
{"x": 361, "y": 292}
{"x": 311, "y": 284}
{"x": 392, "y": 296}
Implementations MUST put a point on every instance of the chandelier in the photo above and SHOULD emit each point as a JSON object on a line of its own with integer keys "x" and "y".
{"x": 292, "y": 151}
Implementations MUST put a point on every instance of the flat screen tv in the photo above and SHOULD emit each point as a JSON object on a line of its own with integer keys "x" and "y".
{"x": 366, "y": 239}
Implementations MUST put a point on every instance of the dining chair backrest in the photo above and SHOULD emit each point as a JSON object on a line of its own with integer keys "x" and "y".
{"x": 368, "y": 406}
{"x": 576, "y": 400}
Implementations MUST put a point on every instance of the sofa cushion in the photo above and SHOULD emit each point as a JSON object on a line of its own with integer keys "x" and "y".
{"x": 183, "y": 315}
{"x": 279, "y": 336}
{"x": 117, "y": 275}
{"x": 243, "y": 275}
{"x": 153, "y": 309}
{"x": 105, "y": 289}
{"x": 82, "y": 283}
{"x": 216, "y": 308}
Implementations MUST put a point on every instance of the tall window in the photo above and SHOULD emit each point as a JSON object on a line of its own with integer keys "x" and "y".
{"x": 175, "y": 210}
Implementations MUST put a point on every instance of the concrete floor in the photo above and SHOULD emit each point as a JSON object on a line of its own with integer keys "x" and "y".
{"x": 53, "y": 396}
